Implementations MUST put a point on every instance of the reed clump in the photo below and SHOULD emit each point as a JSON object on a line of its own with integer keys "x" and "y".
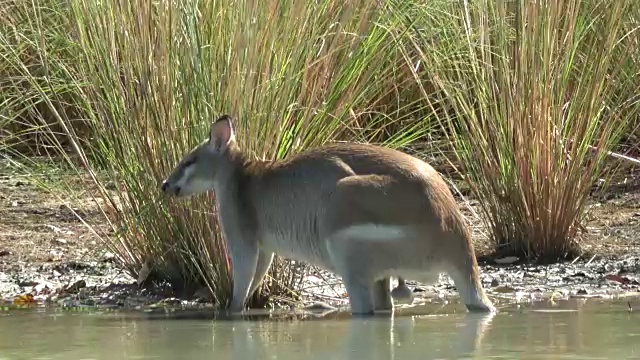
{"x": 531, "y": 101}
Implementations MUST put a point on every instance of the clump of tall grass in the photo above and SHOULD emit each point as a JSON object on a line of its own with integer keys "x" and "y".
{"x": 153, "y": 75}
{"x": 531, "y": 94}
{"x": 34, "y": 41}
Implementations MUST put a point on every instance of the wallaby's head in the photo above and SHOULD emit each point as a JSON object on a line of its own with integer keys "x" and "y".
{"x": 197, "y": 171}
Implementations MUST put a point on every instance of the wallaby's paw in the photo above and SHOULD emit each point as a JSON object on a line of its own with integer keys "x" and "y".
{"x": 402, "y": 294}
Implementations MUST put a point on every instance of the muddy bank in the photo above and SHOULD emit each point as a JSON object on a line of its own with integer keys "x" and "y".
{"x": 101, "y": 284}
{"x": 50, "y": 258}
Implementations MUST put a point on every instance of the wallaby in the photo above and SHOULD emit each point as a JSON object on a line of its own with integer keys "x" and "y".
{"x": 364, "y": 212}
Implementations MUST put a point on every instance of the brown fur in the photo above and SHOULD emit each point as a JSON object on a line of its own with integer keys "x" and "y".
{"x": 362, "y": 211}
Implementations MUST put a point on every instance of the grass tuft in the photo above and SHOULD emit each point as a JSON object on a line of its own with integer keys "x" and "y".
{"x": 531, "y": 96}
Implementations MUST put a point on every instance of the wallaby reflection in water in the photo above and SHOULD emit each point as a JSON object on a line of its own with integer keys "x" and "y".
{"x": 384, "y": 336}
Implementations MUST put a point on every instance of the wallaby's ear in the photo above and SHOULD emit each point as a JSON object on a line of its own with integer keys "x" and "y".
{"x": 221, "y": 134}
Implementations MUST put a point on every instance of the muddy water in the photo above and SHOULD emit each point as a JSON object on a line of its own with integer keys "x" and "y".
{"x": 572, "y": 330}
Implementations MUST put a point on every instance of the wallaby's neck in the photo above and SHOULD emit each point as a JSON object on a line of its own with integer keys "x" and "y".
{"x": 234, "y": 188}
{"x": 238, "y": 171}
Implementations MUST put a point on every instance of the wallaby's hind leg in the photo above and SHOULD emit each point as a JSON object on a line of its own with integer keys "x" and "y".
{"x": 381, "y": 295}
{"x": 359, "y": 295}
{"x": 359, "y": 290}
{"x": 402, "y": 293}
{"x": 358, "y": 243}
{"x": 352, "y": 265}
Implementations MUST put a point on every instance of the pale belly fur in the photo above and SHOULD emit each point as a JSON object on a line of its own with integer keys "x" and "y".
{"x": 367, "y": 236}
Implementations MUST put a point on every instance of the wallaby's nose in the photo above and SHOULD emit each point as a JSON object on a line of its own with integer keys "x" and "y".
{"x": 164, "y": 186}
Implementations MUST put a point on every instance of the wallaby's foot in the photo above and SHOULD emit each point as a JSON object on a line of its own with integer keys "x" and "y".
{"x": 381, "y": 295}
{"x": 402, "y": 293}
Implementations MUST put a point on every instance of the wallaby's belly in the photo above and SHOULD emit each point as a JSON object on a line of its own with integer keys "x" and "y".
{"x": 295, "y": 248}
{"x": 294, "y": 232}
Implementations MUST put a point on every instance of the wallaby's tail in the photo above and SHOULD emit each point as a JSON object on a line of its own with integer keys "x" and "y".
{"x": 463, "y": 266}
{"x": 466, "y": 276}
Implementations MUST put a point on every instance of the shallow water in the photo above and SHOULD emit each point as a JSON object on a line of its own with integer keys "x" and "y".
{"x": 575, "y": 329}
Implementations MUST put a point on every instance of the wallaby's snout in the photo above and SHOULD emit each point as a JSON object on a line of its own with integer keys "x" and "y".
{"x": 167, "y": 189}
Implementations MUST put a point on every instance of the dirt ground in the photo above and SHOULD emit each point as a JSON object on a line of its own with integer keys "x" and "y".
{"x": 36, "y": 227}
{"x": 43, "y": 242}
